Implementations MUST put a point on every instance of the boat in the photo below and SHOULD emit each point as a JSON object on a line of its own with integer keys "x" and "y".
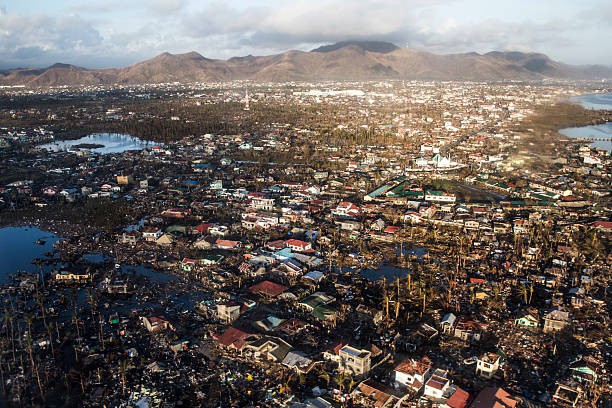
{"x": 40, "y": 241}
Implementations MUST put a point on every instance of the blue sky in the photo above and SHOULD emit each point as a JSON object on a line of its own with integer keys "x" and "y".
{"x": 110, "y": 33}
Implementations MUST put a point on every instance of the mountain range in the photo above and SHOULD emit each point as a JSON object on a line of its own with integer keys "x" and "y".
{"x": 348, "y": 60}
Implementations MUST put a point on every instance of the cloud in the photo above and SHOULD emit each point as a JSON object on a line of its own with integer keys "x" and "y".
{"x": 24, "y": 38}
{"x": 165, "y": 7}
{"x": 121, "y": 32}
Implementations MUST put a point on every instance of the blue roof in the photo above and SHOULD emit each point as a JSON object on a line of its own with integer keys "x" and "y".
{"x": 283, "y": 254}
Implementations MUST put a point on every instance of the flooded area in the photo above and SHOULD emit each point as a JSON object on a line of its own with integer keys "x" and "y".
{"x": 387, "y": 272}
{"x": 20, "y": 246}
{"x": 100, "y": 143}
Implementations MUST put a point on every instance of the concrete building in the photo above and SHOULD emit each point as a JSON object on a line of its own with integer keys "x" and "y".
{"x": 354, "y": 360}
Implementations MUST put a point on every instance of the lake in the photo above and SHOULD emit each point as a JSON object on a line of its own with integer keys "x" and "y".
{"x": 594, "y": 101}
{"x": 111, "y": 142}
{"x": 603, "y": 131}
{"x": 18, "y": 248}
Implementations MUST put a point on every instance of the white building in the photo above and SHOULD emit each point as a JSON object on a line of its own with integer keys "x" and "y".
{"x": 487, "y": 364}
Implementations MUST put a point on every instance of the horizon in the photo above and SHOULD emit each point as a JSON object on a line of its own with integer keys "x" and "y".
{"x": 111, "y": 34}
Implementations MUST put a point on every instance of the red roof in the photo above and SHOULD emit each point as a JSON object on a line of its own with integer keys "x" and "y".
{"x": 296, "y": 243}
{"x": 603, "y": 224}
{"x": 233, "y": 337}
{"x": 267, "y": 288}
{"x": 225, "y": 243}
{"x": 391, "y": 229}
{"x": 459, "y": 399}
{"x": 202, "y": 228}
{"x": 494, "y": 398}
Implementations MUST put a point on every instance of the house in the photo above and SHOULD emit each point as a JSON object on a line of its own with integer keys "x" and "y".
{"x": 567, "y": 394}
{"x": 188, "y": 264}
{"x": 269, "y": 348}
{"x": 267, "y": 289}
{"x": 349, "y": 225}
{"x": 201, "y": 228}
{"x": 372, "y": 394}
{"x": 556, "y": 320}
{"x": 227, "y": 244}
{"x": 202, "y": 243}
{"x": 155, "y": 324}
{"x": 491, "y": 397}
{"x": 355, "y": 361}
{"x": 391, "y": 230}
{"x": 164, "y": 240}
{"x": 458, "y": 399}
{"x": 71, "y": 275}
{"x": 234, "y": 338}
{"x": 448, "y": 323}
{"x": 218, "y": 230}
{"x": 346, "y": 209}
{"x": 211, "y": 259}
{"x": 528, "y": 321}
{"x": 297, "y": 245}
{"x": 152, "y": 233}
{"x": 437, "y": 385}
{"x": 413, "y": 217}
{"x": 439, "y": 196}
{"x": 413, "y": 373}
{"x": 298, "y": 361}
{"x": 129, "y": 238}
{"x": 487, "y": 365}
{"x": 260, "y": 201}
{"x": 315, "y": 300}
{"x": 585, "y": 370}
{"x": 605, "y": 226}
{"x": 367, "y": 314}
{"x": 468, "y": 330}
{"x": 228, "y": 312}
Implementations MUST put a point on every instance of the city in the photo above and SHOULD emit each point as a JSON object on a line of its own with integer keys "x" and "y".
{"x": 386, "y": 243}
{"x": 305, "y": 204}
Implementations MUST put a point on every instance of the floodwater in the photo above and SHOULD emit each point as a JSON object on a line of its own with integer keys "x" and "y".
{"x": 111, "y": 142}
{"x": 387, "y": 271}
{"x": 18, "y": 248}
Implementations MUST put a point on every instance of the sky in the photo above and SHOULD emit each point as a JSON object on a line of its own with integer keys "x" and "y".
{"x": 114, "y": 33}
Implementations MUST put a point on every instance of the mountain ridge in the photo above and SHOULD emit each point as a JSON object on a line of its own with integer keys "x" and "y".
{"x": 347, "y": 60}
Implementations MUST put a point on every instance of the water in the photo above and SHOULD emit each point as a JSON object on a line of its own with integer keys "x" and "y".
{"x": 603, "y": 131}
{"x": 152, "y": 274}
{"x": 18, "y": 248}
{"x": 112, "y": 142}
{"x": 594, "y": 101}
{"x": 387, "y": 271}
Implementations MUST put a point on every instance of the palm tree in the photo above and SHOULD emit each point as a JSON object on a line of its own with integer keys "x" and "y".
{"x": 28, "y": 338}
{"x": 123, "y": 368}
{"x": 325, "y": 376}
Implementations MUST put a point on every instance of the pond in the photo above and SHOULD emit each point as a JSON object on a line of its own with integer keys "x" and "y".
{"x": 100, "y": 143}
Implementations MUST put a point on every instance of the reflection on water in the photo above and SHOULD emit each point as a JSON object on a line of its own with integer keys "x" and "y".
{"x": 110, "y": 142}
{"x": 18, "y": 248}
